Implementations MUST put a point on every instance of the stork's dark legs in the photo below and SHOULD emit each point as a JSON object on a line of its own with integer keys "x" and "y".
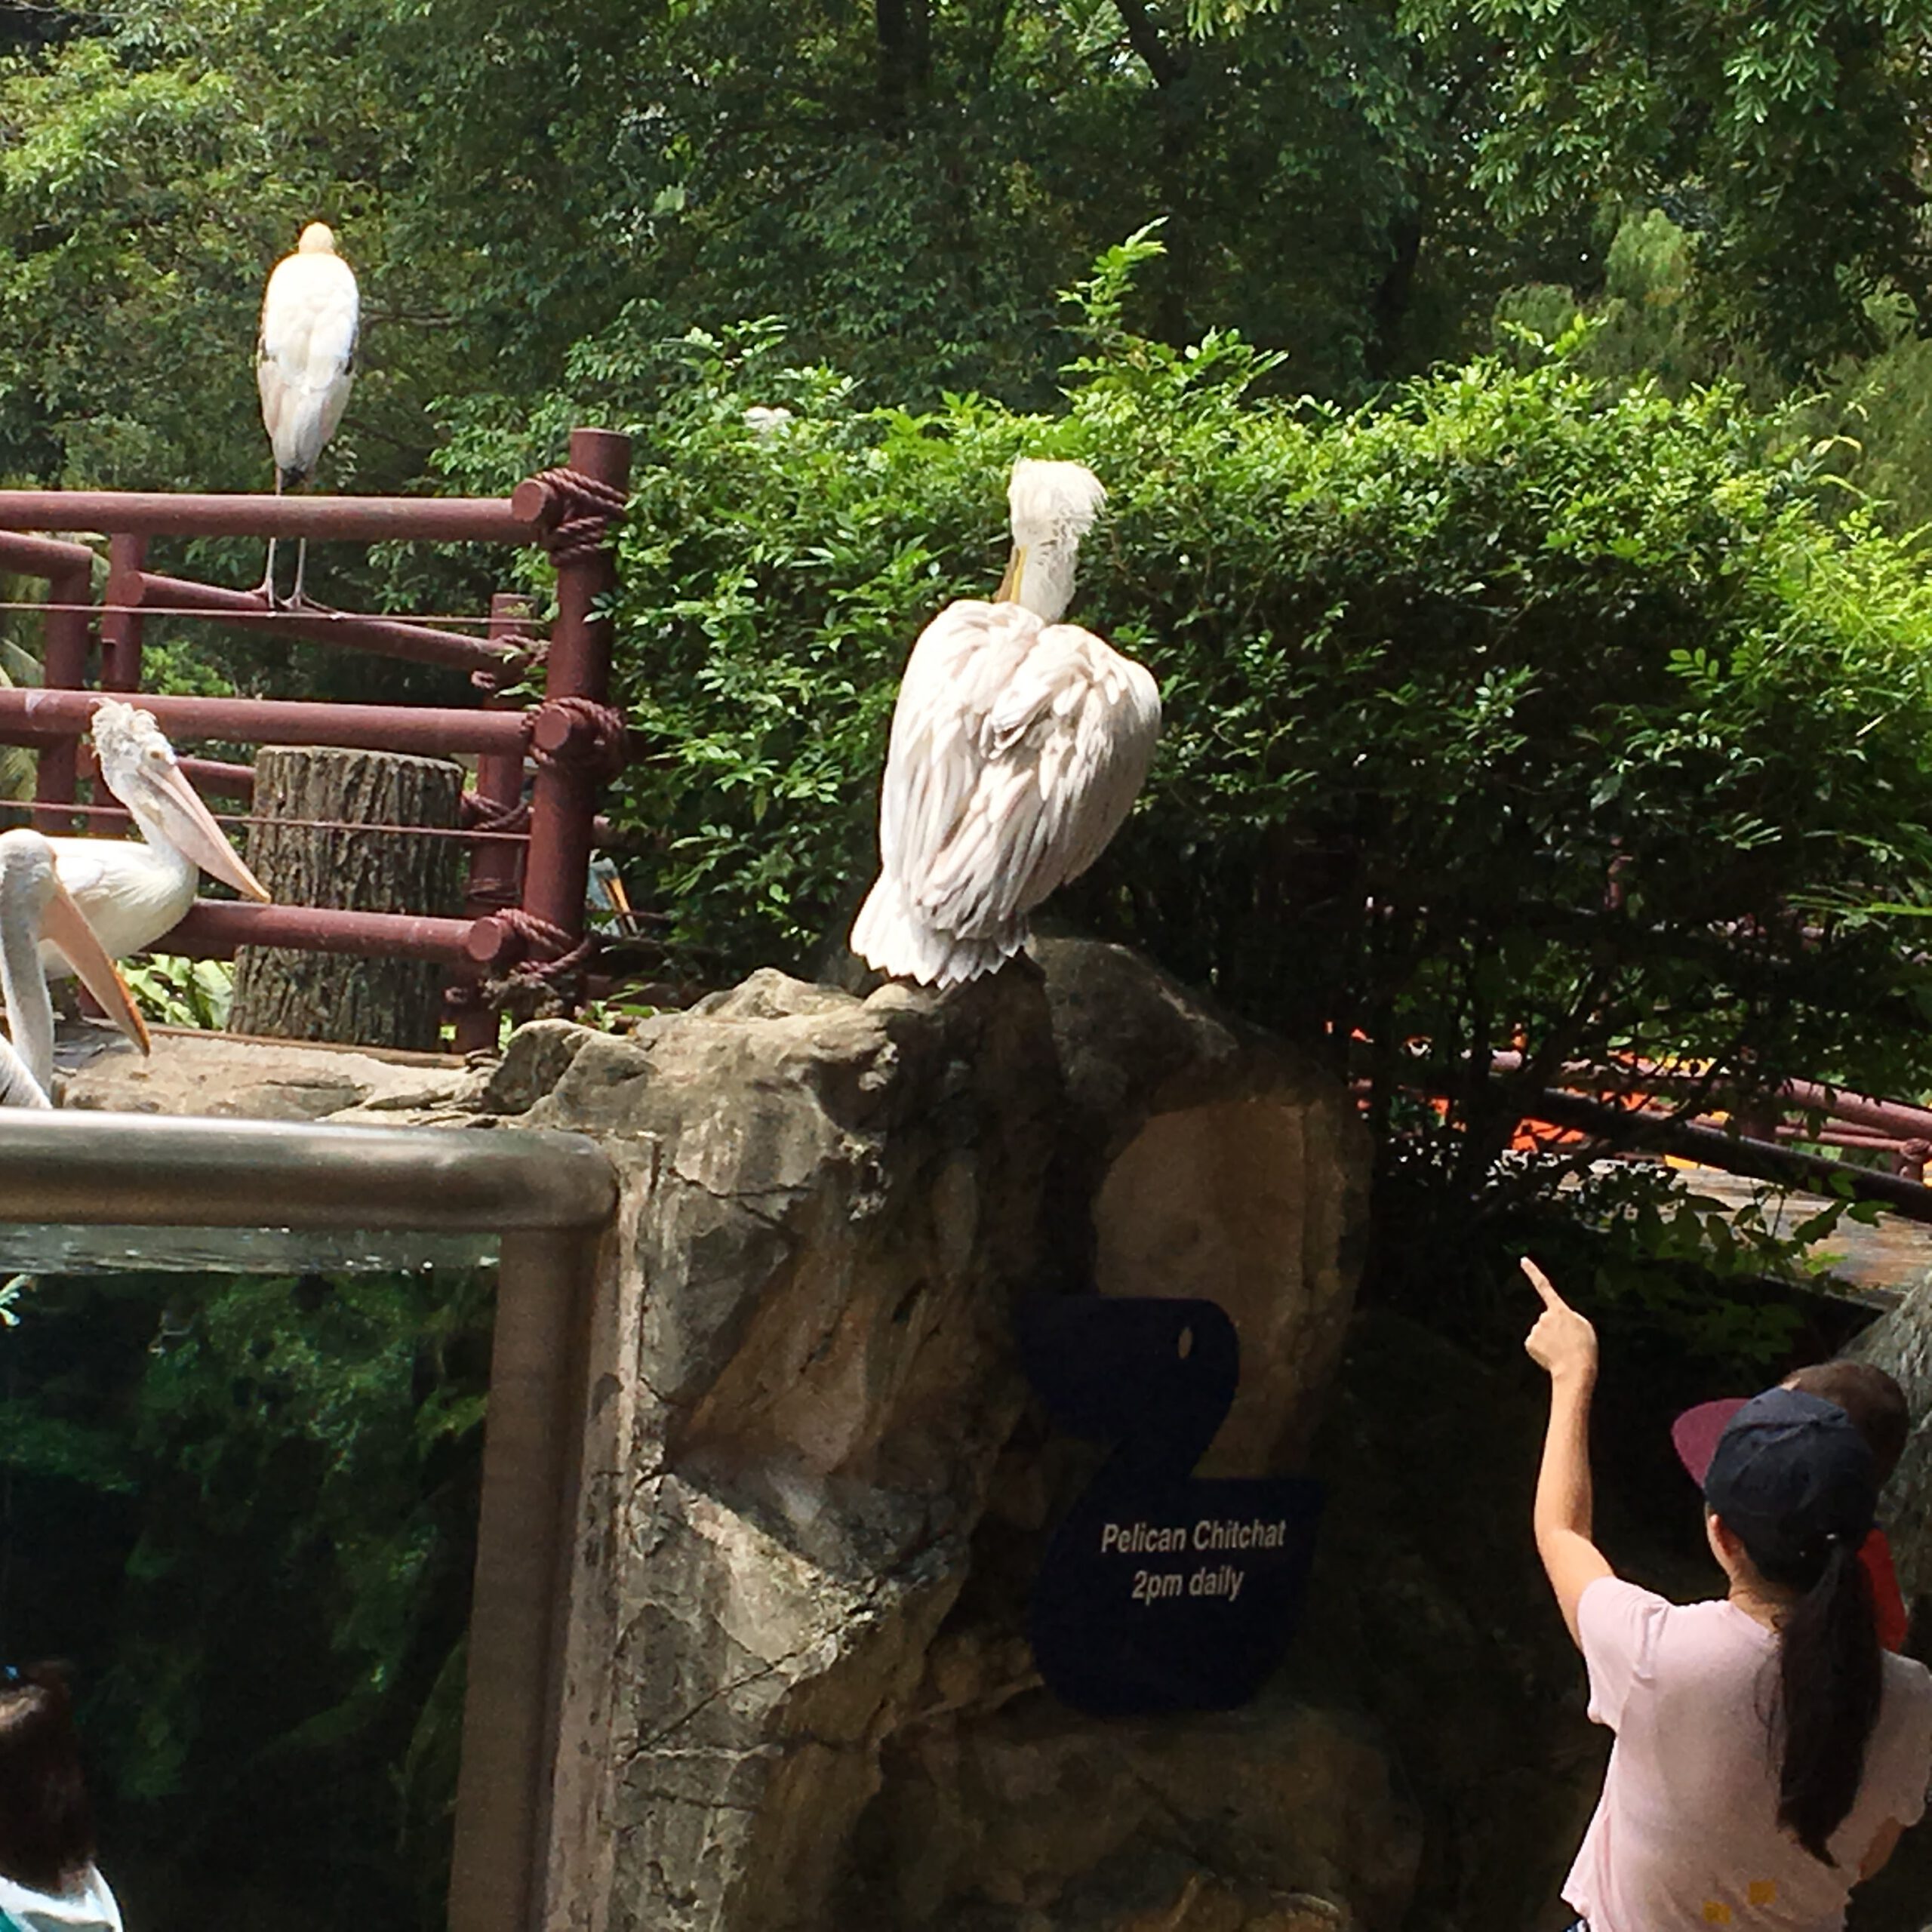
{"x": 265, "y": 589}
{"x": 300, "y": 599}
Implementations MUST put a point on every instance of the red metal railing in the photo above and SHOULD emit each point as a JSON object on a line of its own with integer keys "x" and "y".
{"x": 519, "y": 921}
{"x": 1829, "y": 1116}
{"x": 69, "y": 570}
{"x": 1626, "y": 1108}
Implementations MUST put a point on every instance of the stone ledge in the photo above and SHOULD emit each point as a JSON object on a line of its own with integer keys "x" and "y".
{"x": 224, "y": 1076}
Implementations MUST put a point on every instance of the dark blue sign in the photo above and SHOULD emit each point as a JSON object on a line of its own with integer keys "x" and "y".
{"x": 1162, "y": 1591}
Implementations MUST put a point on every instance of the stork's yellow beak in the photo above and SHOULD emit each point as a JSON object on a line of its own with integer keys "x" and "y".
{"x": 1008, "y": 591}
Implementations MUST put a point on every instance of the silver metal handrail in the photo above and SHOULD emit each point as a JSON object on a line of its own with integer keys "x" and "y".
{"x": 175, "y": 1171}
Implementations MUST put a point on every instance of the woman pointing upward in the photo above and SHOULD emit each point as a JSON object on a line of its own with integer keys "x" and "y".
{"x": 1768, "y": 1753}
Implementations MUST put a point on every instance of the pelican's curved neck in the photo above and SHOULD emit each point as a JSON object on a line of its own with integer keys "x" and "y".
{"x": 1046, "y": 580}
{"x": 23, "y": 985}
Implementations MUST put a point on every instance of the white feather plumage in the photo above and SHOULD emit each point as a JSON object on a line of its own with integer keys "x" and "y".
{"x": 18, "y": 1087}
{"x": 305, "y": 355}
{"x": 1019, "y": 745}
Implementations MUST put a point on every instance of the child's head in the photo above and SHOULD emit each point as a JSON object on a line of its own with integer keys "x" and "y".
{"x": 1791, "y": 1478}
{"x": 1874, "y": 1402}
{"x": 46, "y": 1823}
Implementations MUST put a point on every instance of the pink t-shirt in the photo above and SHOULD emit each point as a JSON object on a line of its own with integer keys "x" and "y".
{"x": 1686, "y": 1834}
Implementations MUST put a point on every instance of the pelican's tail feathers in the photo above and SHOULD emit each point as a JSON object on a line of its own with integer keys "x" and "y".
{"x": 890, "y": 937}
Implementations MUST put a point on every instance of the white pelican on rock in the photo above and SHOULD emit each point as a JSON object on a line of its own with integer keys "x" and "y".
{"x": 1019, "y": 744}
{"x": 130, "y": 894}
{"x": 305, "y": 362}
{"x": 36, "y": 911}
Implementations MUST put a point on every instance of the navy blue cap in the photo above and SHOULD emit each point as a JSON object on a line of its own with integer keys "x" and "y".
{"x": 1792, "y": 1474}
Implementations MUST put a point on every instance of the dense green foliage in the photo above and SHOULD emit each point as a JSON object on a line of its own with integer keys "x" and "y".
{"x": 1868, "y": 413}
{"x": 910, "y": 184}
{"x": 1442, "y": 653}
{"x": 1748, "y": 123}
{"x": 180, "y": 992}
{"x": 245, "y": 1508}
{"x": 1526, "y": 705}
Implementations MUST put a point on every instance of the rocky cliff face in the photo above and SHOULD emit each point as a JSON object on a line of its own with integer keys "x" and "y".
{"x": 801, "y": 1385}
{"x": 799, "y": 1693}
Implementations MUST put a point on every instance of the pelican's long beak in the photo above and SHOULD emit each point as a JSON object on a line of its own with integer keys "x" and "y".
{"x": 66, "y": 925}
{"x": 191, "y": 827}
{"x": 1008, "y": 591}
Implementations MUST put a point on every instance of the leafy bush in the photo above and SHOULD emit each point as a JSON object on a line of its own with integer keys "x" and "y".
{"x": 179, "y": 992}
{"x": 1529, "y": 709}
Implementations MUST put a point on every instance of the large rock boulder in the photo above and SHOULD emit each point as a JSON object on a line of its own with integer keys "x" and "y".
{"x": 220, "y": 1075}
{"x": 801, "y": 1380}
{"x": 1282, "y": 1813}
{"x": 798, "y": 1693}
{"x": 1201, "y": 1157}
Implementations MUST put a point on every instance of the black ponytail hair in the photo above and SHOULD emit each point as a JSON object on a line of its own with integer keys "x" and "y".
{"x": 1831, "y": 1680}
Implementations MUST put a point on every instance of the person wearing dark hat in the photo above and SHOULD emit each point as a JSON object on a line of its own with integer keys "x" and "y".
{"x": 1877, "y": 1407}
{"x": 1768, "y": 1751}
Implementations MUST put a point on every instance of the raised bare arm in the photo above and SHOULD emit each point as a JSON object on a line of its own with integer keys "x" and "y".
{"x": 1565, "y": 1344}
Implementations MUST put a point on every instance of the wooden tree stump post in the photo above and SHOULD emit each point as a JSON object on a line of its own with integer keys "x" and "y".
{"x": 320, "y": 996}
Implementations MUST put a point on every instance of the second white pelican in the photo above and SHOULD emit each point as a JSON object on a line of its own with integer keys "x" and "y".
{"x": 1019, "y": 744}
{"x": 36, "y": 910}
{"x": 130, "y": 894}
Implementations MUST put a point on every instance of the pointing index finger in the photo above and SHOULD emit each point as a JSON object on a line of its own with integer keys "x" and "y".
{"x": 1543, "y": 1285}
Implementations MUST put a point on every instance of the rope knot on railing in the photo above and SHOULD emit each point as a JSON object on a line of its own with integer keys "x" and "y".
{"x": 478, "y": 814}
{"x": 535, "y": 986}
{"x": 590, "y": 508}
{"x": 552, "y": 950}
{"x": 579, "y": 732}
{"x": 532, "y": 988}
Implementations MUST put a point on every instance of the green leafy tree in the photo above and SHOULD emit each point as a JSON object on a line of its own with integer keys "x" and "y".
{"x": 911, "y": 182}
{"x": 1788, "y": 139}
{"x": 1530, "y": 710}
{"x": 1643, "y": 323}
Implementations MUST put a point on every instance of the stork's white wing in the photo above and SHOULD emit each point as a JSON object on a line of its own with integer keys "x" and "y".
{"x": 1017, "y": 752}
{"x": 305, "y": 358}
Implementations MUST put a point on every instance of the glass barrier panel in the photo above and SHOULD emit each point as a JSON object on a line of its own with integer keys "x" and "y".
{"x": 239, "y": 1492}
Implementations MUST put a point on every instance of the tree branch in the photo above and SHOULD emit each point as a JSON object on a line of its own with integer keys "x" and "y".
{"x": 1163, "y": 62}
